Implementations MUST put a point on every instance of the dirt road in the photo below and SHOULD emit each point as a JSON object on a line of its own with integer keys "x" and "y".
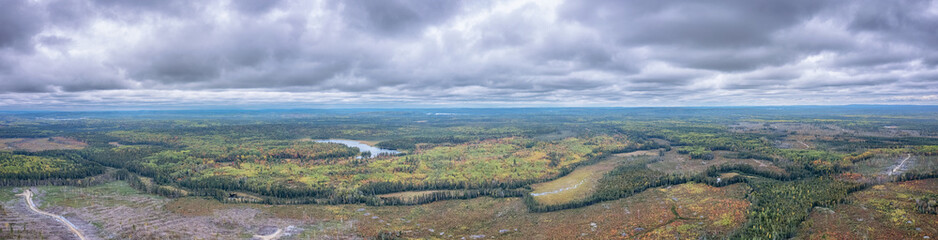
{"x": 272, "y": 236}
{"x": 900, "y": 164}
{"x": 28, "y": 195}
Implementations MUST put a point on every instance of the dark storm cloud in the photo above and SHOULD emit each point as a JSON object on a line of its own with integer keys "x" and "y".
{"x": 712, "y": 24}
{"x": 394, "y": 17}
{"x": 18, "y": 24}
{"x": 589, "y": 53}
{"x": 255, "y": 6}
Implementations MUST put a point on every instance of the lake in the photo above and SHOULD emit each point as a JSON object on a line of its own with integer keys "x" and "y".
{"x": 361, "y": 146}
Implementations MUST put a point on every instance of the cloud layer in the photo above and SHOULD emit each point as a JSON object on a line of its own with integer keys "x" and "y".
{"x": 63, "y": 54}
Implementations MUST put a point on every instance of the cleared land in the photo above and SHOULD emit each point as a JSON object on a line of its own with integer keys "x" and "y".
{"x": 582, "y": 182}
{"x": 883, "y": 165}
{"x": 28, "y": 197}
{"x": 19, "y": 222}
{"x": 673, "y": 162}
{"x": 114, "y": 210}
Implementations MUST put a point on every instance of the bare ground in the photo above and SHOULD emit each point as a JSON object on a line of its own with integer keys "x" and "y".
{"x": 119, "y": 215}
{"x": 27, "y": 224}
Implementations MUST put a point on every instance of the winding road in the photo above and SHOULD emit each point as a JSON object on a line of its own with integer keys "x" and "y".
{"x": 900, "y": 164}
{"x": 28, "y": 195}
{"x": 272, "y": 236}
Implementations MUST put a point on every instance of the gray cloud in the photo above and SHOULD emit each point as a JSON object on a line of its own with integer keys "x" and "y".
{"x": 518, "y": 53}
{"x": 394, "y": 17}
{"x": 19, "y": 21}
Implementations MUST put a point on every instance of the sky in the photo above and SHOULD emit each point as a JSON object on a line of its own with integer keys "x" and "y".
{"x": 179, "y": 54}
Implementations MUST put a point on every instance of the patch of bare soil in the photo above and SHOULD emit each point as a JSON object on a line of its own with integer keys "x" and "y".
{"x": 17, "y": 221}
{"x": 148, "y": 218}
{"x": 115, "y": 215}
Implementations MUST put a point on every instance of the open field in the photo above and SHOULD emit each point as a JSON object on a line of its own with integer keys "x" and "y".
{"x": 673, "y": 162}
{"x": 582, "y": 182}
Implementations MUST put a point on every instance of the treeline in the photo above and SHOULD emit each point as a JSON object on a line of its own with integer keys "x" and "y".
{"x": 129, "y": 157}
{"x": 445, "y": 195}
{"x": 696, "y": 152}
{"x": 77, "y": 182}
{"x": 139, "y": 184}
{"x": 277, "y": 191}
{"x": 624, "y": 181}
{"x": 630, "y": 179}
{"x": 779, "y": 207}
{"x": 53, "y": 164}
{"x": 910, "y": 176}
{"x": 714, "y": 171}
{"x": 272, "y": 151}
{"x": 135, "y": 182}
{"x": 376, "y": 188}
{"x": 697, "y": 139}
{"x": 410, "y": 143}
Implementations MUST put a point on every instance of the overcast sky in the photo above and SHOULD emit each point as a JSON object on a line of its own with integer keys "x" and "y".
{"x": 104, "y": 54}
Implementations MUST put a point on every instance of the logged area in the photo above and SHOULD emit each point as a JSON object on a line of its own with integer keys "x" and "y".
{"x": 688, "y": 173}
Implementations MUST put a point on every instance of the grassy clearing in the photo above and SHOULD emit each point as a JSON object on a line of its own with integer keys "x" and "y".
{"x": 326, "y": 230}
{"x": 728, "y": 175}
{"x": 673, "y": 162}
{"x": 8, "y": 194}
{"x": 77, "y": 197}
{"x": 582, "y": 182}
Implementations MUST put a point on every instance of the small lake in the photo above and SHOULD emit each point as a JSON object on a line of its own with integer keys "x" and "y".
{"x": 361, "y": 146}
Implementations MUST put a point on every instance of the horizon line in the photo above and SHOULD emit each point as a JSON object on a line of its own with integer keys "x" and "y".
{"x": 455, "y": 108}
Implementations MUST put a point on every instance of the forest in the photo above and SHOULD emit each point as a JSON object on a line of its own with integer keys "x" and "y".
{"x": 792, "y": 159}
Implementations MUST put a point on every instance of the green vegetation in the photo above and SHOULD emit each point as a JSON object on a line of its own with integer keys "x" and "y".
{"x": 696, "y": 152}
{"x": 791, "y": 159}
{"x": 44, "y": 166}
{"x": 779, "y": 207}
